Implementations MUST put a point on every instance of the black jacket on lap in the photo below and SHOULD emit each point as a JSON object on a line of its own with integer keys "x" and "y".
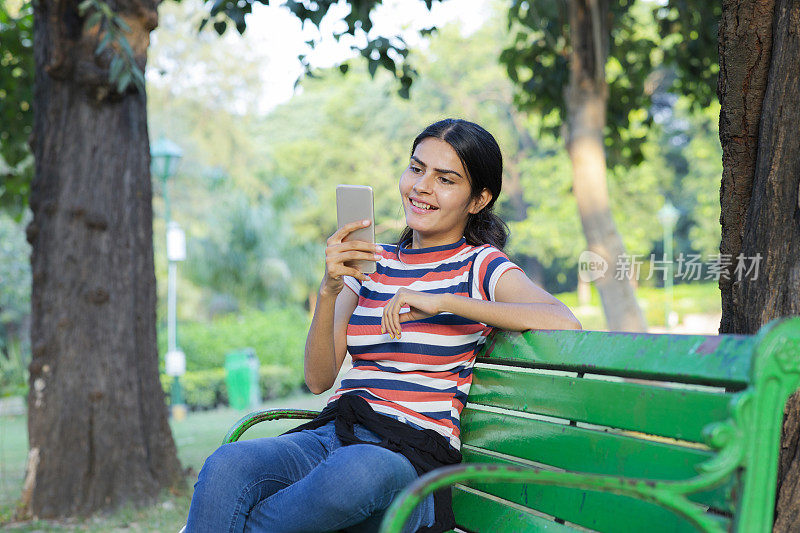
{"x": 424, "y": 448}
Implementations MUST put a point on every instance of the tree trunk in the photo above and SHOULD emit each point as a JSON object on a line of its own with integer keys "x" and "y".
{"x": 97, "y": 421}
{"x": 759, "y": 93}
{"x": 586, "y": 97}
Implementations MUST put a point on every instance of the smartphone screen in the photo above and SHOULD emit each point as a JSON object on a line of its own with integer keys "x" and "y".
{"x": 353, "y": 203}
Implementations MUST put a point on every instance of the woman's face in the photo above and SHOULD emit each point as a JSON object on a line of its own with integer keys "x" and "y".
{"x": 436, "y": 194}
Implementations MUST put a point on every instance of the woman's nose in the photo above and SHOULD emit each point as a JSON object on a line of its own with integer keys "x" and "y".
{"x": 423, "y": 183}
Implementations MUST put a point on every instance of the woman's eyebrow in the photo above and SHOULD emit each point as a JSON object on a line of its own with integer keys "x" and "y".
{"x": 441, "y": 170}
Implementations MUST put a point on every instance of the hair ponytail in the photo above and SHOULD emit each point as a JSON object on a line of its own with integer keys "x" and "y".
{"x": 485, "y": 227}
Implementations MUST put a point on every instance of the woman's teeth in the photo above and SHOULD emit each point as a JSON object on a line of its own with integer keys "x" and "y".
{"x": 420, "y": 205}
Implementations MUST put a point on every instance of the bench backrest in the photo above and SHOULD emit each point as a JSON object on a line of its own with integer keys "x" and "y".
{"x": 703, "y": 409}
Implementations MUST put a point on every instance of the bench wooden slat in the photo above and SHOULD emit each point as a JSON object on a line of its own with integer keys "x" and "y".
{"x": 586, "y": 450}
{"x": 477, "y": 513}
{"x": 722, "y": 360}
{"x": 676, "y": 413}
{"x": 587, "y": 508}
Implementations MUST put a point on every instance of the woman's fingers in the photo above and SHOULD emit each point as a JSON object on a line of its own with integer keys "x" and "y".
{"x": 396, "y": 319}
{"x": 390, "y": 317}
{"x": 346, "y": 230}
{"x": 352, "y": 255}
{"x": 338, "y": 252}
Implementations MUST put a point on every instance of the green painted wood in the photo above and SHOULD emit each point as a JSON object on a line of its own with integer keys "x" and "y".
{"x": 251, "y": 419}
{"x": 586, "y": 450}
{"x": 758, "y": 422}
{"x": 477, "y": 513}
{"x": 676, "y": 413}
{"x": 584, "y": 507}
{"x": 667, "y": 494}
{"x": 719, "y": 360}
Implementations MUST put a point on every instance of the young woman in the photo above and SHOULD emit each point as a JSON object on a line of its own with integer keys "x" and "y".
{"x": 412, "y": 328}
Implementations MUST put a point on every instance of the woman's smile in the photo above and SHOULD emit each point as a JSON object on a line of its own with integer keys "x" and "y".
{"x": 418, "y": 206}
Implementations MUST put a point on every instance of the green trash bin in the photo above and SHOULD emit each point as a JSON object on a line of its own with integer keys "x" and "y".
{"x": 241, "y": 378}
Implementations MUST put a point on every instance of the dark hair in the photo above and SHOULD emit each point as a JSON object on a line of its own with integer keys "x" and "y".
{"x": 481, "y": 157}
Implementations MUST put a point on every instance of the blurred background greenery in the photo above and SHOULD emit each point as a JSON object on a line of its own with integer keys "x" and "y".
{"x": 255, "y": 191}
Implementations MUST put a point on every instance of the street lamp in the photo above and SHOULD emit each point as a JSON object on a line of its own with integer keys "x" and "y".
{"x": 164, "y": 158}
{"x": 668, "y": 216}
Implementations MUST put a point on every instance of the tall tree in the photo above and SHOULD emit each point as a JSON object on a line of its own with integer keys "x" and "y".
{"x": 559, "y": 61}
{"x": 97, "y": 422}
{"x": 759, "y": 45}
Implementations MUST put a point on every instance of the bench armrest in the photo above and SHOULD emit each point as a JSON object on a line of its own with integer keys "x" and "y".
{"x": 655, "y": 492}
{"x": 251, "y": 419}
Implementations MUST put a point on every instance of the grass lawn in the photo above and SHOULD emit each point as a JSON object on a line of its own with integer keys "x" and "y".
{"x": 687, "y": 298}
{"x": 196, "y": 437}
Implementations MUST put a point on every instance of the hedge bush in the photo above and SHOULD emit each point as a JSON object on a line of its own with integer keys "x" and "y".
{"x": 277, "y": 335}
{"x": 206, "y": 389}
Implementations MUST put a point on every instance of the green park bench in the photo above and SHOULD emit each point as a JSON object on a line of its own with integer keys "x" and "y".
{"x": 574, "y": 430}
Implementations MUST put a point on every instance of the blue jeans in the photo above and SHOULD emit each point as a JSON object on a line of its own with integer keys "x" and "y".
{"x": 305, "y": 481}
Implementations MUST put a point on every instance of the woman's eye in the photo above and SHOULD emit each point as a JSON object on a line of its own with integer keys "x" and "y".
{"x": 414, "y": 169}
{"x": 445, "y": 180}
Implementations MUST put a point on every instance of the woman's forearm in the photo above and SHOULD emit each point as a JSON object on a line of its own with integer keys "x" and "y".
{"x": 320, "y": 353}
{"x": 512, "y": 316}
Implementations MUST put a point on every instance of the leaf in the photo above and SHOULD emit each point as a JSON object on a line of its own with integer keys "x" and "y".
{"x": 428, "y": 31}
{"x": 388, "y": 63}
{"x": 124, "y": 81}
{"x": 115, "y": 68}
{"x": 84, "y": 6}
{"x": 126, "y": 46}
{"x": 93, "y": 20}
{"x": 122, "y": 24}
{"x": 103, "y": 43}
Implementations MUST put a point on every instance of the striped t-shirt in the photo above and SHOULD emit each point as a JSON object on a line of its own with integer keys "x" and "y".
{"x": 423, "y": 377}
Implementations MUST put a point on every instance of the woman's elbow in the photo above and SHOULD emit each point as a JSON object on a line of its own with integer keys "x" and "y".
{"x": 566, "y": 320}
{"x": 316, "y": 386}
{"x": 571, "y": 321}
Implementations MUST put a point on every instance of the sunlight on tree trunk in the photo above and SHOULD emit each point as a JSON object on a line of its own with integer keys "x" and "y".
{"x": 586, "y": 98}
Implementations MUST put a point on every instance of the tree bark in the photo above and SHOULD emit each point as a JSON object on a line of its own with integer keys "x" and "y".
{"x": 97, "y": 421}
{"x": 586, "y": 99}
{"x": 760, "y": 193}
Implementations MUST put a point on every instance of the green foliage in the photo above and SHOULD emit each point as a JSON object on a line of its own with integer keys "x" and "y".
{"x": 123, "y": 70}
{"x": 551, "y": 229}
{"x": 15, "y": 273}
{"x": 252, "y": 253}
{"x": 16, "y": 113}
{"x": 14, "y": 368}
{"x": 15, "y": 294}
{"x": 689, "y": 29}
{"x": 692, "y": 151}
{"x": 389, "y": 53}
{"x": 537, "y": 62}
{"x": 277, "y": 335}
{"x": 207, "y": 389}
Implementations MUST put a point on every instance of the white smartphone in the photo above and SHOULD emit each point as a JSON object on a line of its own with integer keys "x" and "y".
{"x": 353, "y": 203}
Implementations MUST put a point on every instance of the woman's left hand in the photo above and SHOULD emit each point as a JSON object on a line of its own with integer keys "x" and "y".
{"x": 421, "y": 304}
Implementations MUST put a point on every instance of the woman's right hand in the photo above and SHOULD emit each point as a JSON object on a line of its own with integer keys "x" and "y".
{"x": 338, "y": 251}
